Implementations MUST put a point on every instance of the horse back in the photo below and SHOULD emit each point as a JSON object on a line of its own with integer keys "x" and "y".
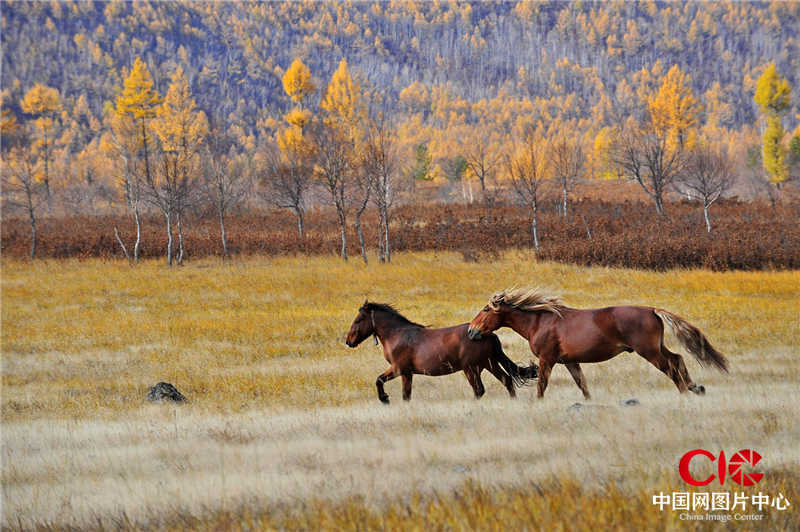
{"x": 594, "y": 335}
{"x": 449, "y": 349}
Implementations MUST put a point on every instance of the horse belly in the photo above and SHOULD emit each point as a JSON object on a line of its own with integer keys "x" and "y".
{"x": 437, "y": 357}
{"x": 596, "y": 350}
{"x": 436, "y": 366}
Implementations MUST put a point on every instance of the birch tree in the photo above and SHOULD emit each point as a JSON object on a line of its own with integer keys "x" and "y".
{"x": 181, "y": 130}
{"x": 338, "y": 141}
{"x": 131, "y": 139}
{"x": 381, "y": 161}
{"x": 707, "y": 176}
{"x": 225, "y": 179}
{"x": 567, "y": 162}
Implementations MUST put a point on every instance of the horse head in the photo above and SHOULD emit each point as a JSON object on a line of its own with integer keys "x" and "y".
{"x": 487, "y": 320}
{"x": 363, "y": 326}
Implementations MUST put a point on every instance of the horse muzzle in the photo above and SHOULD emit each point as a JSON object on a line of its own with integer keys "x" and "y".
{"x": 473, "y": 333}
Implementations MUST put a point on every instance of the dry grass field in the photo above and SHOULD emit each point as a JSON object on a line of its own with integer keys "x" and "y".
{"x": 283, "y": 428}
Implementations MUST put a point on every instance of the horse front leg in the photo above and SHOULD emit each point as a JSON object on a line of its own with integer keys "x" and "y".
{"x": 545, "y": 367}
{"x": 387, "y": 375}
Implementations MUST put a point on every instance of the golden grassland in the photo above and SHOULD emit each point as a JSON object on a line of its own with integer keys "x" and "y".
{"x": 283, "y": 427}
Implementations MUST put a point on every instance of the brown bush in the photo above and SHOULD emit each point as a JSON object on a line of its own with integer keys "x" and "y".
{"x": 746, "y": 236}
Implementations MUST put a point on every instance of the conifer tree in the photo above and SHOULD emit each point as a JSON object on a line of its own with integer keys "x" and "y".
{"x": 674, "y": 110}
{"x": 140, "y": 101}
{"x": 44, "y": 103}
{"x": 772, "y": 95}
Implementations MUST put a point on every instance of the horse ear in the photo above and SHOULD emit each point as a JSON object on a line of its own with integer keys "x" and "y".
{"x": 366, "y": 302}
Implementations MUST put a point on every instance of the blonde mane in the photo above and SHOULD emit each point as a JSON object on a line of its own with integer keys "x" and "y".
{"x": 529, "y": 300}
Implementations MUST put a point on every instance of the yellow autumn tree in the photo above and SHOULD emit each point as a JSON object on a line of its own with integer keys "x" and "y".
{"x": 139, "y": 102}
{"x": 297, "y": 82}
{"x": 181, "y": 129}
{"x": 773, "y": 96}
{"x": 340, "y": 138}
{"x": 130, "y": 140}
{"x": 344, "y": 103}
{"x": 600, "y": 163}
{"x": 674, "y": 110}
{"x": 288, "y": 174}
{"x": 298, "y": 86}
{"x": 44, "y": 103}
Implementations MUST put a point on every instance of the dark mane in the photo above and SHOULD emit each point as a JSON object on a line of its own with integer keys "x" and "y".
{"x": 383, "y": 307}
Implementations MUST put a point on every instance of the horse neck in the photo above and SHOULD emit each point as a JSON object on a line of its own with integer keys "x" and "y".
{"x": 386, "y": 324}
{"x": 523, "y": 323}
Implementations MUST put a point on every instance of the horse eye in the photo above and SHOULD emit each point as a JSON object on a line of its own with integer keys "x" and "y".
{"x": 485, "y": 309}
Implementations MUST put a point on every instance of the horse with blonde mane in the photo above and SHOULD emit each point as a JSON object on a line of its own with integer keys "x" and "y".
{"x": 558, "y": 334}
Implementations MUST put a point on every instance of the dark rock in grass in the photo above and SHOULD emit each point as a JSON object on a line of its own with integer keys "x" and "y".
{"x": 630, "y": 402}
{"x": 164, "y": 391}
{"x": 577, "y": 407}
{"x": 587, "y": 407}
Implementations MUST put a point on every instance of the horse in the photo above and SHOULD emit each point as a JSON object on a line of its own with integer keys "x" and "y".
{"x": 558, "y": 334}
{"x": 411, "y": 348}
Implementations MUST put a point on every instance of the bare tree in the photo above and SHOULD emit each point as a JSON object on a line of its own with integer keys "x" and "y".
{"x": 20, "y": 187}
{"x": 166, "y": 189}
{"x": 482, "y": 160}
{"x": 287, "y": 178}
{"x": 122, "y": 143}
{"x": 527, "y": 167}
{"x": 381, "y": 161}
{"x": 363, "y": 188}
{"x": 334, "y": 171}
{"x": 707, "y": 176}
{"x": 643, "y": 154}
{"x": 225, "y": 179}
{"x": 566, "y": 157}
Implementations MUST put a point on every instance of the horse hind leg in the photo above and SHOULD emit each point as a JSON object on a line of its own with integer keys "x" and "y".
{"x": 495, "y": 369}
{"x": 474, "y": 378}
{"x": 577, "y": 374}
{"x": 679, "y": 368}
{"x": 407, "y": 378}
{"x": 670, "y": 364}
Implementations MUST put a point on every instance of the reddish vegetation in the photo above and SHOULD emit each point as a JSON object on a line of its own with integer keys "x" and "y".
{"x": 747, "y": 236}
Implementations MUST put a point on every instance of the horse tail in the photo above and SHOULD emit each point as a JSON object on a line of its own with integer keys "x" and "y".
{"x": 693, "y": 340}
{"x": 519, "y": 374}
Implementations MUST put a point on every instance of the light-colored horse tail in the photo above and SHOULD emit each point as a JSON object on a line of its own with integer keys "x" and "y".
{"x": 693, "y": 340}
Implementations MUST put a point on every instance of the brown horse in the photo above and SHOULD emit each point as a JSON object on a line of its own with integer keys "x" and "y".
{"x": 411, "y": 348}
{"x": 563, "y": 335}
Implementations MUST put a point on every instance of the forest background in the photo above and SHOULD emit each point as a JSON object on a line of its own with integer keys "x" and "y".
{"x": 456, "y": 91}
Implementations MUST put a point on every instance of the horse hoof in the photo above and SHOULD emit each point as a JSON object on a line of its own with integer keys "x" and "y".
{"x": 699, "y": 389}
{"x": 384, "y": 399}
